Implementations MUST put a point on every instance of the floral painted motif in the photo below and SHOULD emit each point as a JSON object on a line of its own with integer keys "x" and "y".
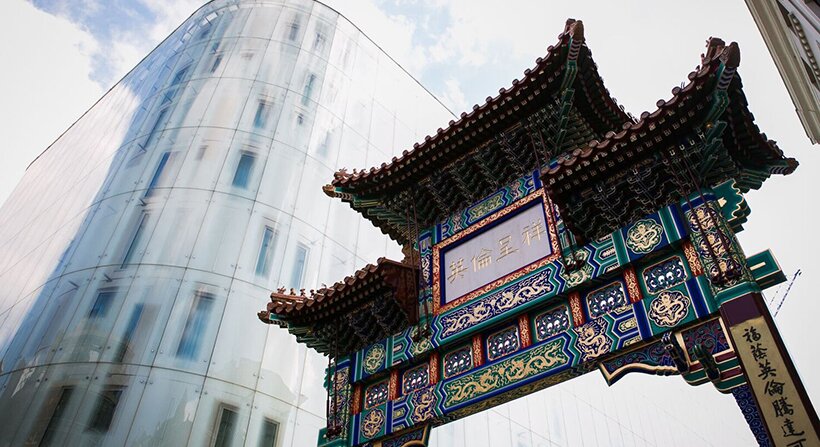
{"x": 644, "y": 236}
{"x": 716, "y": 247}
{"x": 669, "y": 308}
{"x": 486, "y": 206}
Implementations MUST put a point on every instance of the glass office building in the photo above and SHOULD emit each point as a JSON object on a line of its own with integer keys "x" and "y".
{"x": 139, "y": 246}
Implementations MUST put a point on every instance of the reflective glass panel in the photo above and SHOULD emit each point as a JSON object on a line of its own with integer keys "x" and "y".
{"x": 195, "y": 324}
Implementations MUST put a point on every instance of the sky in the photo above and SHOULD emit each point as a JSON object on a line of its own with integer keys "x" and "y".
{"x": 60, "y": 56}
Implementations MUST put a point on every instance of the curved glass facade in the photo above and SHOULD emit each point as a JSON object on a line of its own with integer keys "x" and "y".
{"x": 138, "y": 248}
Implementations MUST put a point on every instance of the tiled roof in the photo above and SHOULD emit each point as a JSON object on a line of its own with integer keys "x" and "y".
{"x": 355, "y": 311}
{"x": 286, "y": 303}
{"x": 601, "y": 106}
{"x": 718, "y": 52}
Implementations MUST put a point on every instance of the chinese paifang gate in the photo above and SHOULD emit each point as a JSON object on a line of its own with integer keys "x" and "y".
{"x": 548, "y": 234}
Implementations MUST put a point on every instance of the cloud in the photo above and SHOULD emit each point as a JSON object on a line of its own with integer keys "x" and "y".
{"x": 128, "y": 45}
{"x": 48, "y": 88}
{"x": 169, "y": 14}
{"x": 394, "y": 33}
{"x": 453, "y": 96}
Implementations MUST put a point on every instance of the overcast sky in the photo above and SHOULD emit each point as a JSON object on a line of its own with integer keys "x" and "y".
{"x": 60, "y": 56}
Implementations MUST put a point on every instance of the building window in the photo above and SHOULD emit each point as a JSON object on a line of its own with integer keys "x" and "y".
{"x": 203, "y": 150}
{"x": 154, "y": 128}
{"x": 551, "y": 322}
{"x": 180, "y": 75}
{"x": 217, "y": 56}
{"x": 293, "y": 30}
{"x": 606, "y": 299}
{"x": 51, "y": 431}
{"x": 103, "y": 414}
{"x": 244, "y": 168}
{"x": 195, "y": 325}
{"x": 268, "y": 436}
{"x": 415, "y": 378}
{"x": 103, "y": 302}
{"x": 263, "y": 261}
{"x": 664, "y": 275}
{"x": 376, "y": 394}
{"x": 130, "y": 329}
{"x": 307, "y": 92}
{"x": 324, "y": 145}
{"x": 206, "y": 29}
{"x": 457, "y": 362}
{"x": 320, "y": 39}
{"x": 261, "y": 116}
{"x": 217, "y": 61}
{"x": 299, "y": 263}
{"x": 155, "y": 179}
{"x": 135, "y": 240}
{"x": 502, "y": 343}
{"x": 226, "y": 427}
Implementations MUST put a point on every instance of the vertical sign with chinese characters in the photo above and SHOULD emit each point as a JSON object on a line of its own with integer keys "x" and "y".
{"x": 782, "y": 409}
{"x": 504, "y": 246}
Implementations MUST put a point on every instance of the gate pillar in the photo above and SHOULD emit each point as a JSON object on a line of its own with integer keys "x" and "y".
{"x": 774, "y": 387}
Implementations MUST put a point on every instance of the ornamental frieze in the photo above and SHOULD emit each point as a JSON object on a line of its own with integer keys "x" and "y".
{"x": 535, "y": 361}
{"x": 535, "y": 286}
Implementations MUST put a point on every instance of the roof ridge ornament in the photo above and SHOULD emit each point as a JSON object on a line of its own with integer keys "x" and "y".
{"x": 575, "y": 29}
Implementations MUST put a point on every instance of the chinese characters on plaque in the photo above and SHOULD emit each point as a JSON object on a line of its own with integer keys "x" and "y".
{"x": 494, "y": 253}
{"x": 780, "y": 404}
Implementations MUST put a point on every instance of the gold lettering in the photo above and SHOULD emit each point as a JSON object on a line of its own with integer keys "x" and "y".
{"x": 482, "y": 260}
{"x": 533, "y": 231}
{"x": 457, "y": 270}
{"x": 505, "y": 249}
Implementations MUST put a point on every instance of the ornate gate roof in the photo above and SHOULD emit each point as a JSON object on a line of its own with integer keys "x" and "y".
{"x": 591, "y": 151}
{"x": 371, "y": 304}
